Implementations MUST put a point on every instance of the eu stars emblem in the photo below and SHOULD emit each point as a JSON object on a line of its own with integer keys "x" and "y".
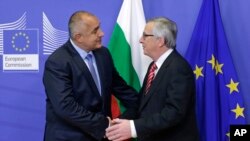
{"x": 20, "y": 50}
{"x": 20, "y": 41}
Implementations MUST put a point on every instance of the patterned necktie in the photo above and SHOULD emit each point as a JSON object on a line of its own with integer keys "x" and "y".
{"x": 150, "y": 77}
{"x": 92, "y": 70}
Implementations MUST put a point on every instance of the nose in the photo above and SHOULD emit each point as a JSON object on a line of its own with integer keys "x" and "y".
{"x": 101, "y": 33}
{"x": 141, "y": 40}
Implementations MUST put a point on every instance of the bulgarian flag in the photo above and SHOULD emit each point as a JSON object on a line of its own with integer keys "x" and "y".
{"x": 126, "y": 49}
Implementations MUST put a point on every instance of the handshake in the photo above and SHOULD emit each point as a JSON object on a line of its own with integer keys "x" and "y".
{"x": 118, "y": 130}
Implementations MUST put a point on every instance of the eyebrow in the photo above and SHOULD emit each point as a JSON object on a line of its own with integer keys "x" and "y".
{"x": 147, "y": 34}
{"x": 95, "y": 29}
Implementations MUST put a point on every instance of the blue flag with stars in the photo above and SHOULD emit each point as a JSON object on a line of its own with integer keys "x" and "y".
{"x": 219, "y": 98}
{"x": 20, "y": 41}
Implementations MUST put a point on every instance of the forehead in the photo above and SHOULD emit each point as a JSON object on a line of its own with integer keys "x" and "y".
{"x": 149, "y": 26}
{"x": 92, "y": 21}
{"x": 89, "y": 24}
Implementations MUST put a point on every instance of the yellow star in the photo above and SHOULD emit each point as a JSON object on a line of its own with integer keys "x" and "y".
{"x": 212, "y": 61}
{"x": 233, "y": 86}
{"x": 198, "y": 71}
{"x": 218, "y": 67}
{"x": 238, "y": 111}
{"x": 228, "y": 134}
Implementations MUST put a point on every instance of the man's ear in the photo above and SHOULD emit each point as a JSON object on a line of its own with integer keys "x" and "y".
{"x": 161, "y": 41}
{"x": 77, "y": 37}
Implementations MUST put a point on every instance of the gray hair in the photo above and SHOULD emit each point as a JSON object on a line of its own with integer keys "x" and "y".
{"x": 76, "y": 21}
{"x": 165, "y": 28}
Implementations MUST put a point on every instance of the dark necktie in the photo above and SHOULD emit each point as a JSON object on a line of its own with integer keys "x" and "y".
{"x": 151, "y": 76}
{"x": 92, "y": 70}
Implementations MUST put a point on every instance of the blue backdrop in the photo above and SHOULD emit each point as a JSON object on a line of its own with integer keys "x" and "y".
{"x": 22, "y": 97}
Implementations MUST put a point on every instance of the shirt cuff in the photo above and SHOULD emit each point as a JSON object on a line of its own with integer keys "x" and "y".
{"x": 132, "y": 127}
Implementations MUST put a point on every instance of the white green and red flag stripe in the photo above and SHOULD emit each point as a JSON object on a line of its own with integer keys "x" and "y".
{"x": 126, "y": 49}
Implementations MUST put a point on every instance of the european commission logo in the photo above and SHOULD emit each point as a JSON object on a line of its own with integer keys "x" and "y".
{"x": 20, "y": 50}
{"x": 19, "y": 45}
{"x": 20, "y": 41}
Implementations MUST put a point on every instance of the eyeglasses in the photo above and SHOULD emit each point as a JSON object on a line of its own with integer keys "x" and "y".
{"x": 144, "y": 35}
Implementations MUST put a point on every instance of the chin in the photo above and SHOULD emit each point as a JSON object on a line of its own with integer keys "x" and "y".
{"x": 97, "y": 47}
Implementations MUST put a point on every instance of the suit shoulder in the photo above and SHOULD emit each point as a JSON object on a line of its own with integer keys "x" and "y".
{"x": 60, "y": 53}
{"x": 60, "y": 58}
{"x": 180, "y": 60}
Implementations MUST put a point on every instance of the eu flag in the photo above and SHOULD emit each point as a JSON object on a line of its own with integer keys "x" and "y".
{"x": 219, "y": 98}
{"x": 20, "y": 41}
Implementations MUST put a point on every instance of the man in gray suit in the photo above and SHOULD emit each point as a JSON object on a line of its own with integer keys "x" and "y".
{"x": 167, "y": 98}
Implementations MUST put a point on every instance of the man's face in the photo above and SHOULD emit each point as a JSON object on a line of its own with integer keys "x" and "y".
{"x": 91, "y": 37}
{"x": 148, "y": 40}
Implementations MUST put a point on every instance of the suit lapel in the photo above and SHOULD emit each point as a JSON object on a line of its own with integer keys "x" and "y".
{"x": 100, "y": 68}
{"x": 156, "y": 81}
{"x": 83, "y": 67}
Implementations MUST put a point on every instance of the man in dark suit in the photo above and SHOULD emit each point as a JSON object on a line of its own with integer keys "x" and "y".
{"x": 167, "y": 98}
{"x": 79, "y": 78}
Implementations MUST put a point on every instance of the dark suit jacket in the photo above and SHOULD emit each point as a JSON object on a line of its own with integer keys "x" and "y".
{"x": 167, "y": 112}
{"x": 74, "y": 109}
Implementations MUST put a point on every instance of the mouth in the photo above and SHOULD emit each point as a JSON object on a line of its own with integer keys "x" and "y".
{"x": 99, "y": 41}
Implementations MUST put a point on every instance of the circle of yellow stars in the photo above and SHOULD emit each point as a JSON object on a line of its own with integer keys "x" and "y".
{"x": 232, "y": 85}
{"x": 18, "y": 35}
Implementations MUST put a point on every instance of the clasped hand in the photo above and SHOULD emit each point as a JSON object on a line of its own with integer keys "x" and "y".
{"x": 119, "y": 130}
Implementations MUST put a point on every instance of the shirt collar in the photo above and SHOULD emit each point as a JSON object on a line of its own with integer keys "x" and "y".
{"x": 82, "y": 52}
{"x": 163, "y": 57}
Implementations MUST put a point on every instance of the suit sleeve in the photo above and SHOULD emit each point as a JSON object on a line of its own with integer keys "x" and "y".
{"x": 126, "y": 94}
